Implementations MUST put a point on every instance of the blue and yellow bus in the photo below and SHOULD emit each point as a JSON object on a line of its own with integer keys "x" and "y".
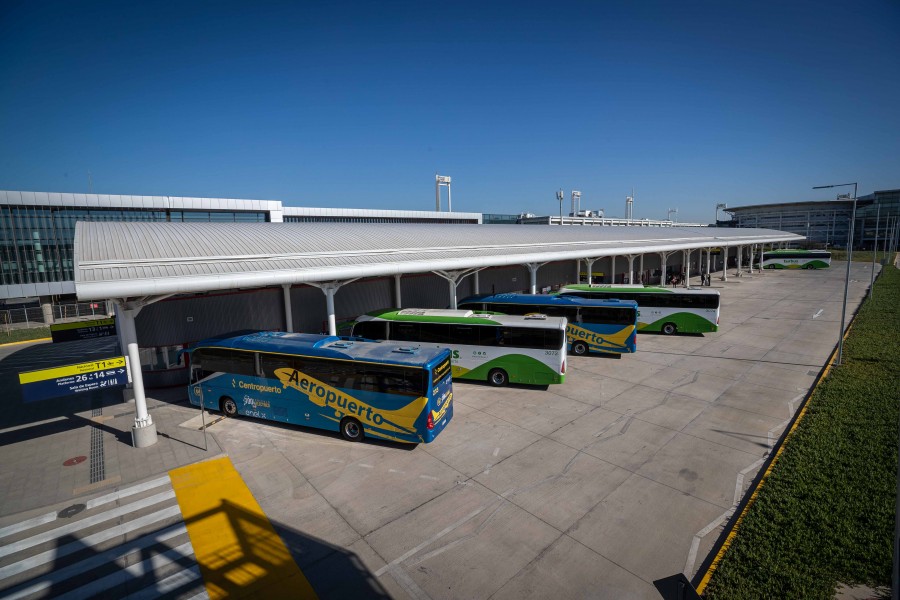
{"x": 605, "y": 326}
{"x": 360, "y": 388}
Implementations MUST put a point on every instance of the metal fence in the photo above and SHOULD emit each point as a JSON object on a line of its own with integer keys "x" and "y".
{"x": 34, "y": 316}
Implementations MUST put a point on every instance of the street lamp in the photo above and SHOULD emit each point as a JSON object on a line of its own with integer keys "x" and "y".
{"x": 849, "y": 258}
{"x": 718, "y": 206}
{"x": 560, "y": 196}
{"x": 439, "y": 182}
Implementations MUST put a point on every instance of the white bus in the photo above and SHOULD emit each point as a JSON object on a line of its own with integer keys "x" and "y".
{"x": 667, "y": 310}
{"x": 500, "y": 349}
{"x": 796, "y": 259}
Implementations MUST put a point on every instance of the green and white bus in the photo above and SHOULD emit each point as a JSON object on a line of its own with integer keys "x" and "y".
{"x": 359, "y": 388}
{"x": 500, "y": 349}
{"x": 666, "y": 310}
{"x": 796, "y": 259}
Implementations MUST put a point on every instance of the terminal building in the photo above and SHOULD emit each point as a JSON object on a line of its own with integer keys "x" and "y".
{"x": 179, "y": 270}
{"x": 826, "y": 223}
{"x": 37, "y": 229}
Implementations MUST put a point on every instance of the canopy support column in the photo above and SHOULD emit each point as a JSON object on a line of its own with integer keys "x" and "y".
{"x": 761, "y": 246}
{"x": 663, "y": 257}
{"x": 453, "y": 278}
{"x": 612, "y": 268}
{"x": 476, "y": 282}
{"x": 330, "y": 288}
{"x": 708, "y": 260}
{"x": 631, "y": 258}
{"x": 687, "y": 268}
{"x": 398, "y": 299}
{"x": 724, "y": 263}
{"x": 740, "y": 255}
{"x": 641, "y": 279}
{"x": 532, "y": 271}
{"x": 589, "y": 263}
{"x": 143, "y": 433}
{"x": 288, "y": 314}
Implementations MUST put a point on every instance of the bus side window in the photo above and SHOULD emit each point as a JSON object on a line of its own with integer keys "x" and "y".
{"x": 268, "y": 363}
{"x": 405, "y": 332}
{"x": 434, "y": 333}
{"x": 228, "y": 361}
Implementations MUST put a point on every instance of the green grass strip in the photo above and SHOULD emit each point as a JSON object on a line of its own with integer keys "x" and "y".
{"x": 825, "y": 514}
{"x": 24, "y": 334}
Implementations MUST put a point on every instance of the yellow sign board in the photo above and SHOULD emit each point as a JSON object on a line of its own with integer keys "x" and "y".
{"x": 81, "y": 324}
{"x": 115, "y": 362}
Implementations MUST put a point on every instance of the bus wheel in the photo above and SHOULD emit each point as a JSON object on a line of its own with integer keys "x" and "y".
{"x": 498, "y": 378}
{"x": 579, "y": 348}
{"x": 669, "y": 329}
{"x": 351, "y": 430}
{"x": 228, "y": 406}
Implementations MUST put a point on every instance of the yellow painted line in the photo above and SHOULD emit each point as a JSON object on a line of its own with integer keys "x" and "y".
{"x": 27, "y": 341}
{"x": 734, "y": 530}
{"x": 238, "y": 551}
{"x": 116, "y": 362}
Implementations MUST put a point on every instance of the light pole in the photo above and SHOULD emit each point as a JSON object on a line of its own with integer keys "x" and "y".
{"x": 875, "y": 250}
{"x": 439, "y": 182}
{"x": 849, "y": 259}
{"x": 560, "y": 196}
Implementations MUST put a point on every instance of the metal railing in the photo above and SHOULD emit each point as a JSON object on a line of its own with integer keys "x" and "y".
{"x": 34, "y": 316}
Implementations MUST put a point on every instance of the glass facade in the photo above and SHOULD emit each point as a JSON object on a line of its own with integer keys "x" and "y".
{"x": 36, "y": 242}
{"x": 827, "y": 224}
{"x": 499, "y": 219}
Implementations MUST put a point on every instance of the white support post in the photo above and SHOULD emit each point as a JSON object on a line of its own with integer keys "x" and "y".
{"x": 708, "y": 260}
{"x": 532, "y": 271}
{"x": 630, "y": 268}
{"x": 662, "y": 268}
{"x": 453, "y": 278}
{"x": 476, "y": 282}
{"x": 761, "y": 246}
{"x": 724, "y": 263}
{"x": 740, "y": 256}
{"x": 330, "y": 288}
{"x": 589, "y": 263}
{"x": 143, "y": 433}
{"x": 329, "y": 307}
{"x": 398, "y": 300}
{"x": 577, "y": 270}
{"x": 612, "y": 269}
{"x": 641, "y": 279}
{"x": 452, "y": 285}
{"x": 687, "y": 268}
{"x": 288, "y": 314}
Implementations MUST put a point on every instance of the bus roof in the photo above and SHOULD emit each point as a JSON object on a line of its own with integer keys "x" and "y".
{"x": 634, "y": 289}
{"x": 329, "y": 346}
{"x": 553, "y": 300}
{"x": 467, "y": 317}
{"x": 796, "y": 251}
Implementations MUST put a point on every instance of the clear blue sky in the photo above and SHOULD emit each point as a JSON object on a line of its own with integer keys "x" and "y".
{"x": 359, "y": 104}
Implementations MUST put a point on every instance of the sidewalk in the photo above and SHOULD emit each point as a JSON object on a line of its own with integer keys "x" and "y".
{"x": 89, "y": 432}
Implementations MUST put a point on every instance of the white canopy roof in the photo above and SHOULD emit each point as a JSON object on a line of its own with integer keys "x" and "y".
{"x": 131, "y": 259}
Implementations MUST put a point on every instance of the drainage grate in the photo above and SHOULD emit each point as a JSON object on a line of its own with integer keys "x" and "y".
{"x": 98, "y": 471}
